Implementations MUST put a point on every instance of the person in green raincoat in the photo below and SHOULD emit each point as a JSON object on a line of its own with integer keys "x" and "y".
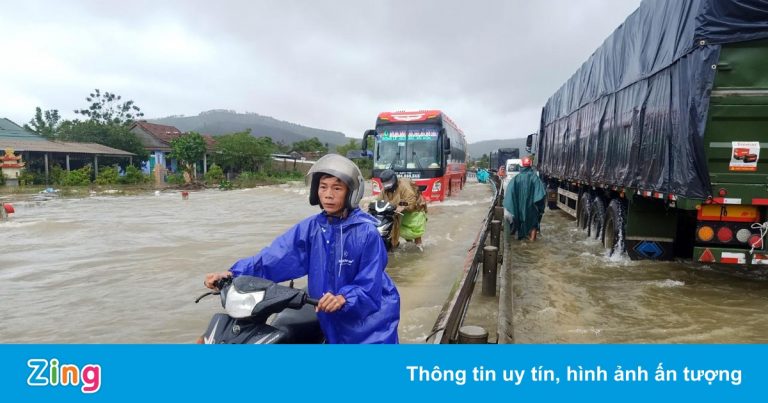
{"x": 524, "y": 199}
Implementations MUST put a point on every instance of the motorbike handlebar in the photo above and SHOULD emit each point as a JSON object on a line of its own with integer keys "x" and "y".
{"x": 312, "y": 301}
{"x": 225, "y": 281}
{"x": 222, "y": 282}
{"x": 219, "y": 284}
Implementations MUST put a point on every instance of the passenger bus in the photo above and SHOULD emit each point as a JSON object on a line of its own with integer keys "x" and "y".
{"x": 425, "y": 146}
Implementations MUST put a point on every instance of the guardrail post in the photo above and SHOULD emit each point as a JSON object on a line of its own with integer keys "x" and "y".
{"x": 490, "y": 259}
{"x": 495, "y": 228}
{"x": 498, "y": 213}
{"x": 473, "y": 335}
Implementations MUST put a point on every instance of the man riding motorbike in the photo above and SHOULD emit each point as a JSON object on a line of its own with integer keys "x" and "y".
{"x": 342, "y": 254}
{"x": 402, "y": 193}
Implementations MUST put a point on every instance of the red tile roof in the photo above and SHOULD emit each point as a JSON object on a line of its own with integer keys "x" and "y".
{"x": 210, "y": 142}
{"x": 168, "y": 133}
{"x": 162, "y": 132}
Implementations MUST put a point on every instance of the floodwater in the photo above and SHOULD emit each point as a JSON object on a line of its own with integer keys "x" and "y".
{"x": 567, "y": 290}
{"x": 126, "y": 269}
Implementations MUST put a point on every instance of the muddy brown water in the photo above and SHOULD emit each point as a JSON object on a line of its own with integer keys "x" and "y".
{"x": 126, "y": 269}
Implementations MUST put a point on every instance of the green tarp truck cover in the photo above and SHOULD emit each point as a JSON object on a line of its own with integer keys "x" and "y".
{"x": 634, "y": 114}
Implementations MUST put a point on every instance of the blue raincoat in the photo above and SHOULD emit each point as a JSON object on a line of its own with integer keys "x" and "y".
{"x": 341, "y": 256}
{"x": 482, "y": 176}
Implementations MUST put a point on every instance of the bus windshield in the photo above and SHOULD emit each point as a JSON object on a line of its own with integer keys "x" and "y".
{"x": 407, "y": 147}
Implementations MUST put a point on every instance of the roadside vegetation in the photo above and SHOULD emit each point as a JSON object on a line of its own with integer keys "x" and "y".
{"x": 237, "y": 160}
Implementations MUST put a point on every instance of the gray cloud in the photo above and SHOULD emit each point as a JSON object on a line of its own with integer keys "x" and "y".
{"x": 490, "y": 65}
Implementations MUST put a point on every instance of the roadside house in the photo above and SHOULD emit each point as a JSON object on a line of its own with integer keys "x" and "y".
{"x": 37, "y": 150}
{"x": 157, "y": 138}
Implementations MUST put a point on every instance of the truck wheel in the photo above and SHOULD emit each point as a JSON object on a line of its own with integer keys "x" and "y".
{"x": 584, "y": 212}
{"x": 613, "y": 234}
{"x": 596, "y": 218}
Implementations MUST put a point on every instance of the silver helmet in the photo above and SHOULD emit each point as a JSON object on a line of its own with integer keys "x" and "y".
{"x": 342, "y": 168}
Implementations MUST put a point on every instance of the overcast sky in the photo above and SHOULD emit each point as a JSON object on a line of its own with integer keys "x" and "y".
{"x": 490, "y": 65}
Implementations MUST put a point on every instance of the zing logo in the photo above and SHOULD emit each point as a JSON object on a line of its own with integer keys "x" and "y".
{"x": 49, "y": 373}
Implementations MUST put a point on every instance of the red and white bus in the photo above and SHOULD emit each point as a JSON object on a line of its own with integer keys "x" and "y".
{"x": 425, "y": 146}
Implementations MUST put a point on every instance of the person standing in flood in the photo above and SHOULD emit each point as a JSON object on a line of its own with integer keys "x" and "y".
{"x": 524, "y": 199}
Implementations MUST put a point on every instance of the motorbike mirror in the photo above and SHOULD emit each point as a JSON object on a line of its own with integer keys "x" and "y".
{"x": 355, "y": 154}
{"x": 529, "y": 142}
{"x": 368, "y": 133}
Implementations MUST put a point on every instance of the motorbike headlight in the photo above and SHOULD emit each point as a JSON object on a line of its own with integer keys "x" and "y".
{"x": 240, "y": 304}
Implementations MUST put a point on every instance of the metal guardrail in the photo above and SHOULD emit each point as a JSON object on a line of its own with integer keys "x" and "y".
{"x": 449, "y": 320}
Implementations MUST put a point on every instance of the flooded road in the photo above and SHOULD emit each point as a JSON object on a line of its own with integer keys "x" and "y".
{"x": 126, "y": 269}
{"x": 566, "y": 290}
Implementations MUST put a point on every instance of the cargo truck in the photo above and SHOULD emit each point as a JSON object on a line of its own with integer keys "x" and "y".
{"x": 654, "y": 145}
{"x": 499, "y": 158}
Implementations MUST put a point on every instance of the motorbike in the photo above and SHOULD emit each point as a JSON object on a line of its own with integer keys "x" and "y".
{"x": 250, "y": 302}
{"x": 385, "y": 213}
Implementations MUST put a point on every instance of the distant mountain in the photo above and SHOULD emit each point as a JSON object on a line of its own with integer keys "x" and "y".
{"x": 219, "y": 121}
{"x": 476, "y": 150}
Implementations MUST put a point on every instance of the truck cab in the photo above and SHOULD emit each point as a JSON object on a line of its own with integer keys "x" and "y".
{"x": 512, "y": 167}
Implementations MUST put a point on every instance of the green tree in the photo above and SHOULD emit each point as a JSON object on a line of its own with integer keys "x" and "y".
{"x": 188, "y": 149}
{"x": 365, "y": 164}
{"x": 242, "y": 152}
{"x": 45, "y": 123}
{"x": 77, "y": 177}
{"x": 483, "y": 162}
{"x": 352, "y": 144}
{"x": 107, "y": 176}
{"x": 115, "y": 136}
{"x": 107, "y": 108}
{"x": 310, "y": 145}
{"x": 214, "y": 175}
{"x": 281, "y": 147}
{"x": 134, "y": 176}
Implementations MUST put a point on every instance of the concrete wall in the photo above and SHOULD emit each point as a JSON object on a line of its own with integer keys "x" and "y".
{"x": 288, "y": 165}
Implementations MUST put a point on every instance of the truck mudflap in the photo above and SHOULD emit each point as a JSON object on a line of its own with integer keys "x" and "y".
{"x": 730, "y": 256}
